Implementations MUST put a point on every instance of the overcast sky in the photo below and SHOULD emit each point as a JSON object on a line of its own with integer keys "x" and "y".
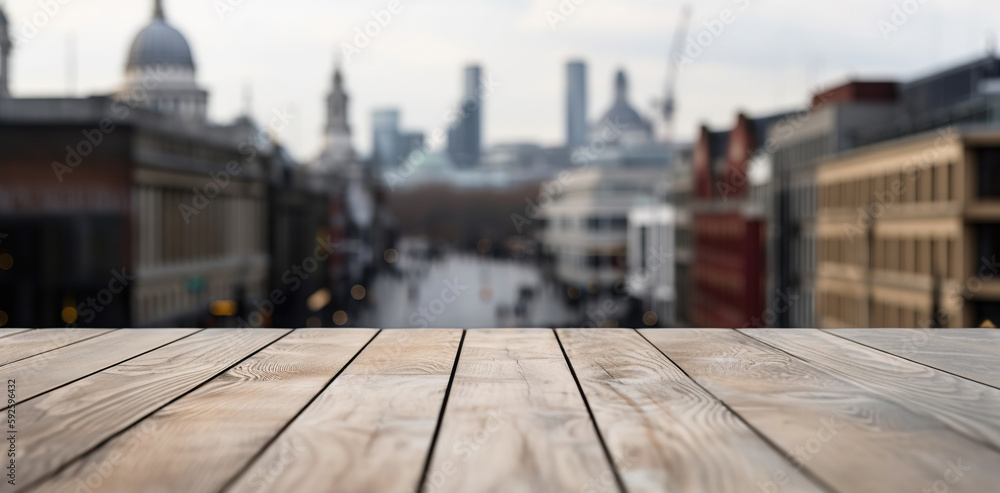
{"x": 768, "y": 58}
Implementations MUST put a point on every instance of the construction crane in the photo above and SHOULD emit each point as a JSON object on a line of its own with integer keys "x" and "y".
{"x": 668, "y": 105}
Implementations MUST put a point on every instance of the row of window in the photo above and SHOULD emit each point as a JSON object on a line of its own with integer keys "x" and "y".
{"x": 595, "y": 223}
{"x": 854, "y": 312}
{"x": 593, "y": 261}
{"x": 926, "y": 185}
{"x": 188, "y": 149}
{"x": 176, "y": 225}
{"x": 927, "y": 256}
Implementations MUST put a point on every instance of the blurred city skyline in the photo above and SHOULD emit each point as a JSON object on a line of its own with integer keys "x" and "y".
{"x": 778, "y": 51}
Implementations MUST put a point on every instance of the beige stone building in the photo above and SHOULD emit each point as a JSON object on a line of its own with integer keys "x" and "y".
{"x": 908, "y": 232}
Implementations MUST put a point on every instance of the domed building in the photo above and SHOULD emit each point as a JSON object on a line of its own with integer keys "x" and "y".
{"x": 626, "y": 125}
{"x": 160, "y": 73}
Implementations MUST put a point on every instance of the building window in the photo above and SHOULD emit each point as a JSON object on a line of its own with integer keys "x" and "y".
{"x": 988, "y": 173}
{"x": 925, "y": 186}
{"x": 950, "y": 252}
{"x": 987, "y": 245}
{"x": 950, "y": 183}
{"x": 988, "y": 310}
{"x": 643, "y": 232}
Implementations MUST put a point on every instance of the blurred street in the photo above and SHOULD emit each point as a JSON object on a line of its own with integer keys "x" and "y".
{"x": 469, "y": 291}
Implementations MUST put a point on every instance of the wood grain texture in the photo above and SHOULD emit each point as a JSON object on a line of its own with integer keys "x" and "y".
{"x": 10, "y": 332}
{"x": 44, "y": 372}
{"x": 371, "y": 429}
{"x": 31, "y": 343}
{"x": 235, "y": 414}
{"x": 516, "y": 422}
{"x": 65, "y": 423}
{"x": 967, "y": 407}
{"x": 852, "y": 438}
{"x": 664, "y": 431}
{"x": 970, "y": 353}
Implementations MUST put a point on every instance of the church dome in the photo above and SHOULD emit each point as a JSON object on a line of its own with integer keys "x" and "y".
{"x": 160, "y": 44}
{"x": 621, "y": 111}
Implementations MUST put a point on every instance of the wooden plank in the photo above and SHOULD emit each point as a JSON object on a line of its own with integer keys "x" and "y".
{"x": 202, "y": 440}
{"x": 65, "y": 423}
{"x": 44, "y": 372}
{"x": 665, "y": 432}
{"x": 31, "y": 343}
{"x": 969, "y": 353}
{"x": 852, "y": 438}
{"x": 372, "y": 428}
{"x": 967, "y": 407}
{"x": 10, "y": 332}
{"x": 515, "y": 421}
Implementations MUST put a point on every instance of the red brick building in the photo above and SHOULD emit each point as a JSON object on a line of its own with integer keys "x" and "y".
{"x": 729, "y": 226}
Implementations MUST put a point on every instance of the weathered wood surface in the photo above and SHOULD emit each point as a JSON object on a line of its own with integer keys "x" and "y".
{"x": 47, "y": 371}
{"x": 515, "y": 421}
{"x": 852, "y": 438}
{"x": 238, "y": 412}
{"x": 969, "y": 353}
{"x": 372, "y": 428}
{"x": 967, "y": 407}
{"x": 576, "y": 410}
{"x": 10, "y": 332}
{"x": 61, "y": 425}
{"x": 31, "y": 343}
{"x": 663, "y": 430}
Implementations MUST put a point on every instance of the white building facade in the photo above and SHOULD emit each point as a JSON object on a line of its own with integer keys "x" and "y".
{"x": 652, "y": 270}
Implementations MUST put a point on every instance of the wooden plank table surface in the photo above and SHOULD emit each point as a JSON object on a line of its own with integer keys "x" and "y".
{"x": 525, "y": 410}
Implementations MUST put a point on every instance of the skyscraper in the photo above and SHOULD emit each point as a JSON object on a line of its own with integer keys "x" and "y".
{"x": 465, "y": 134}
{"x": 385, "y": 138}
{"x": 576, "y": 104}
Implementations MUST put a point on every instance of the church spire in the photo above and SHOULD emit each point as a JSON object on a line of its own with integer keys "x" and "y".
{"x": 158, "y": 9}
{"x": 621, "y": 86}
